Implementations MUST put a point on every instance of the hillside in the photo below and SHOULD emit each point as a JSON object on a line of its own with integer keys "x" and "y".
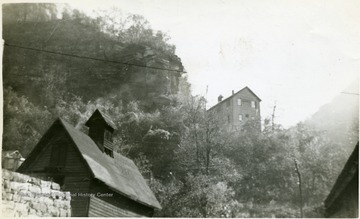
{"x": 33, "y": 72}
{"x": 339, "y": 118}
{"x": 64, "y": 64}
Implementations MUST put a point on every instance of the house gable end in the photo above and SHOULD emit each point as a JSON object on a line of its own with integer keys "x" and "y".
{"x": 246, "y": 95}
{"x": 41, "y": 159}
{"x": 118, "y": 173}
{"x": 41, "y": 147}
{"x": 233, "y": 96}
{"x": 78, "y": 154}
{"x": 249, "y": 90}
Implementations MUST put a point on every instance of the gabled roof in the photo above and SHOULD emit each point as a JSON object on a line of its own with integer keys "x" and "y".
{"x": 118, "y": 173}
{"x": 102, "y": 115}
{"x": 348, "y": 174}
{"x": 236, "y": 94}
{"x": 250, "y": 92}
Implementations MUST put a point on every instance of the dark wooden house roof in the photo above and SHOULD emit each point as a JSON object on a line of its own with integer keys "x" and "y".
{"x": 118, "y": 173}
{"x": 348, "y": 177}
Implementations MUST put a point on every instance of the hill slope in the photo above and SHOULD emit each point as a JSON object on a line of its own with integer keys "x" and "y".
{"x": 43, "y": 77}
{"x": 339, "y": 119}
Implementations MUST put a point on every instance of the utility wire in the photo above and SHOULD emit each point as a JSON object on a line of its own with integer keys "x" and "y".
{"x": 89, "y": 58}
{"x": 350, "y": 93}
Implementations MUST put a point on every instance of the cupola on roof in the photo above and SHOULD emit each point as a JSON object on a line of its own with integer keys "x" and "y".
{"x": 98, "y": 116}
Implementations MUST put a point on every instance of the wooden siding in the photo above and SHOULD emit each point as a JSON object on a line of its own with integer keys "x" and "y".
{"x": 114, "y": 205}
{"x": 44, "y": 157}
{"x": 42, "y": 161}
{"x": 101, "y": 208}
{"x": 79, "y": 189}
{"x": 100, "y": 130}
{"x": 75, "y": 172}
{"x": 75, "y": 164}
{"x": 69, "y": 158}
{"x": 96, "y": 133}
{"x": 347, "y": 203}
{"x": 77, "y": 181}
{"x": 59, "y": 152}
{"x": 343, "y": 200}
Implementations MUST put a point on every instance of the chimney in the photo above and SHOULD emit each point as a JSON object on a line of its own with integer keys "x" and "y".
{"x": 101, "y": 130}
{"x": 220, "y": 98}
{"x": 232, "y": 92}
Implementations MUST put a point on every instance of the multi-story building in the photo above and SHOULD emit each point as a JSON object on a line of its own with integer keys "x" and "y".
{"x": 238, "y": 109}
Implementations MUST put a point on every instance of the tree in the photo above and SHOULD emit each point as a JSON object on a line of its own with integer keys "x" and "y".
{"x": 25, "y": 12}
{"x": 24, "y": 122}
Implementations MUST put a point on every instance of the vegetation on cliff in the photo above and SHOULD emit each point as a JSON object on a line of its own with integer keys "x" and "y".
{"x": 59, "y": 62}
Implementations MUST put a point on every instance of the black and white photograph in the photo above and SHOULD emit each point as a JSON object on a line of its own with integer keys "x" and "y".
{"x": 180, "y": 108}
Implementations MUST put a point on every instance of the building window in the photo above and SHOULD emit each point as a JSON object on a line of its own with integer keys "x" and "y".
{"x": 228, "y": 119}
{"x": 252, "y": 117}
{"x": 239, "y": 102}
{"x": 240, "y": 118}
{"x": 247, "y": 116}
{"x": 252, "y": 104}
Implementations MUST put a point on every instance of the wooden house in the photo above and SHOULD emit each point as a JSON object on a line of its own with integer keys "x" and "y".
{"x": 101, "y": 181}
{"x": 343, "y": 200}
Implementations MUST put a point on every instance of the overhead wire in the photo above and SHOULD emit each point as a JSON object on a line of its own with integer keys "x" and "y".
{"x": 90, "y": 58}
{"x": 350, "y": 93}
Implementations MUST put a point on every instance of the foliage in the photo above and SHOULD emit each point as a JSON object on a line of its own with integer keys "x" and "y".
{"x": 126, "y": 39}
{"x": 24, "y": 122}
{"x": 320, "y": 160}
{"x": 194, "y": 166}
{"x": 24, "y": 12}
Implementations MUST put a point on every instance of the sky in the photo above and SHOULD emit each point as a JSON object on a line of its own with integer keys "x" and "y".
{"x": 297, "y": 55}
